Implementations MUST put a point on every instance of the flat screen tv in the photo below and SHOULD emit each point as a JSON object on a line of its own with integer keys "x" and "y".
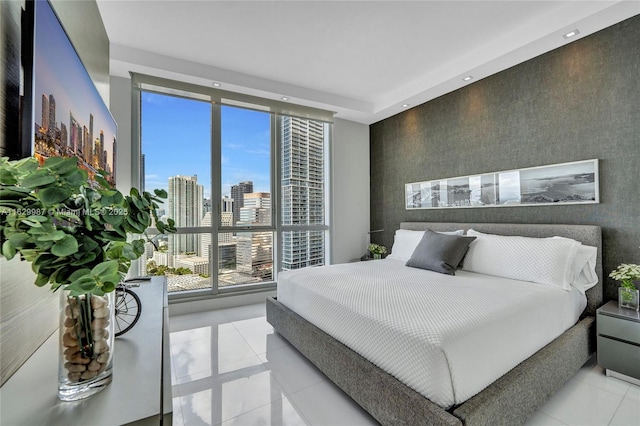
{"x": 69, "y": 116}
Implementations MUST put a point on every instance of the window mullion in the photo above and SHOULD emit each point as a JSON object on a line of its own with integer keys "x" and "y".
{"x": 216, "y": 193}
{"x": 277, "y": 184}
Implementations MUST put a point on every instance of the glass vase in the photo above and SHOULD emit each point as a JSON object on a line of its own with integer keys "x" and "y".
{"x": 86, "y": 345}
{"x": 628, "y": 298}
{"x": 377, "y": 256}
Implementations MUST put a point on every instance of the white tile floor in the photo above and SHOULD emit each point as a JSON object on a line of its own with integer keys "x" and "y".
{"x": 230, "y": 368}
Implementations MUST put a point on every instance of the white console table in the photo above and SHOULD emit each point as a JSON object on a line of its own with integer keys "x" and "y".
{"x": 139, "y": 394}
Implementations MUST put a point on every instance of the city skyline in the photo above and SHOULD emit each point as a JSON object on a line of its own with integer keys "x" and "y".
{"x": 172, "y": 130}
{"x": 73, "y": 140}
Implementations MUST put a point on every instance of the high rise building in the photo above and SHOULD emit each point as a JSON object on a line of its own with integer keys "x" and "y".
{"x": 207, "y": 205}
{"x": 227, "y": 205}
{"x": 63, "y": 135}
{"x": 205, "y": 238}
{"x": 91, "y": 127}
{"x": 256, "y": 209}
{"x": 255, "y": 249}
{"x": 75, "y": 141}
{"x": 303, "y": 189}
{"x": 113, "y": 161}
{"x": 237, "y": 194}
{"x": 103, "y": 161}
{"x": 97, "y": 147}
{"x": 226, "y": 219}
{"x": 85, "y": 138}
{"x": 52, "y": 117}
{"x": 185, "y": 207}
{"x": 45, "y": 113}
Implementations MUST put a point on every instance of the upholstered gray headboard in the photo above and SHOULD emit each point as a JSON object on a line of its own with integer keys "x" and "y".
{"x": 587, "y": 234}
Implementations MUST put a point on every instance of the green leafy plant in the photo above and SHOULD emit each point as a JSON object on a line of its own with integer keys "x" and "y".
{"x": 377, "y": 249}
{"x": 626, "y": 273}
{"x": 78, "y": 235}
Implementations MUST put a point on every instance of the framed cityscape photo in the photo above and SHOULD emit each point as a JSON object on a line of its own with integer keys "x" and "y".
{"x": 70, "y": 118}
{"x": 555, "y": 184}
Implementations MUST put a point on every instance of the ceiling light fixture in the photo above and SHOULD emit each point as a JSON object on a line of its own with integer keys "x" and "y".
{"x": 284, "y": 98}
{"x": 467, "y": 78}
{"x": 216, "y": 84}
{"x": 571, "y": 34}
{"x": 405, "y": 105}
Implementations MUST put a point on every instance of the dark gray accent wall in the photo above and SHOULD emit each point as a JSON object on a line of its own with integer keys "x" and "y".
{"x": 578, "y": 102}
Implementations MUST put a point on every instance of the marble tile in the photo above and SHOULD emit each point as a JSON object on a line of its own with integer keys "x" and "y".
{"x": 222, "y": 369}
{"x": 323, "y": 404}
{"x": 580, "y": 403}
{"x": 258, "y": 336}
{"x": 209, "y": 353}
{"x": 595, "y": 375}
{"x": 279, "y": 413}
{"x": 196, "y": 320}
{"x": 245, "y": 312}
{"x": 541, "y": 419}
{"x": 633, "y": 393}
{"x": 200, "y": 331}
{"x": 628, "y": 414}
{"x": 251, "y": 322}
{"x": 212, "y": 401}
{"x": 292, "y": 370}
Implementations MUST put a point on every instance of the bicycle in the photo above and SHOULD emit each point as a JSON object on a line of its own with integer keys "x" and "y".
{"x": 128, "y": 306}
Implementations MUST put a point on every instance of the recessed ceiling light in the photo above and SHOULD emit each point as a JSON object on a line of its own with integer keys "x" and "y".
{"x": 284, "y": 98}
{"x": 405, "y": 105}
{"x": 467, "y": 78}
{"x": 216, "y": 84}
{"x": 571, "y": 34}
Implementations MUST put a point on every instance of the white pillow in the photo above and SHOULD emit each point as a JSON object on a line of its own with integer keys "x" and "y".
{"x": 541, "y": 260}
{"x": 583, "y": 268}
{"x": 406, "y": 241}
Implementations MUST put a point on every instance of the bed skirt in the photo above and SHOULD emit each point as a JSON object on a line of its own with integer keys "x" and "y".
{"x": 508, "y": 401}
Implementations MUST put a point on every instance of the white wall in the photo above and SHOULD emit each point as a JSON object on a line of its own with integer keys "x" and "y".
{"x": 350, "y": 190}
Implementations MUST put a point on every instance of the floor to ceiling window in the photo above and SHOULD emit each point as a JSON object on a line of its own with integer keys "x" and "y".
{"x": 176, "y": 157}
{"x": 247, "y": 186}
{"x": 245, "y": 240}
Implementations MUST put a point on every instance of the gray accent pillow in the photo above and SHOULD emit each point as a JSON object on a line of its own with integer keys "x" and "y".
{"x": 440, "y": 253}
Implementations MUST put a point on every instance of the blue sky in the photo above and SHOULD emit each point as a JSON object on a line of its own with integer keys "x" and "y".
{"x": 176, "y": 140}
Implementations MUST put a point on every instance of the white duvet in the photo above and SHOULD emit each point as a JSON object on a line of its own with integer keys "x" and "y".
{"x": 447, "y": 337}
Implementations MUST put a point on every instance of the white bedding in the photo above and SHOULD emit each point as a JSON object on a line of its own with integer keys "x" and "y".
{"x": 447, "y": 337}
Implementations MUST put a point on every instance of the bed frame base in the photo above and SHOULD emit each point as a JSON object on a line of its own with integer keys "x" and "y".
{"x": 508, "y": 401}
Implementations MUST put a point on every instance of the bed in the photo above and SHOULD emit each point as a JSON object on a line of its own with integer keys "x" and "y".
{"x": 510, "y": 399}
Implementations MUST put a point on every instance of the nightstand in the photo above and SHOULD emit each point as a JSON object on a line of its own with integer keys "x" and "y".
{"x": 362, "y": 259}
{"x": 619, "y": 342}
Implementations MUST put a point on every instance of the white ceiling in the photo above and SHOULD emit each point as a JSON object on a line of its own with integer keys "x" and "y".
{"x": 361, "y": 59}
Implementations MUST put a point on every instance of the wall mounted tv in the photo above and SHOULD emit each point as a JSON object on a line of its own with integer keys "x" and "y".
{"x": 69, "y": 116}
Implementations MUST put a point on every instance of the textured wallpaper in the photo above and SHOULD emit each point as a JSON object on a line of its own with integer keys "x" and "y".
{"x": 578, "y": 102}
